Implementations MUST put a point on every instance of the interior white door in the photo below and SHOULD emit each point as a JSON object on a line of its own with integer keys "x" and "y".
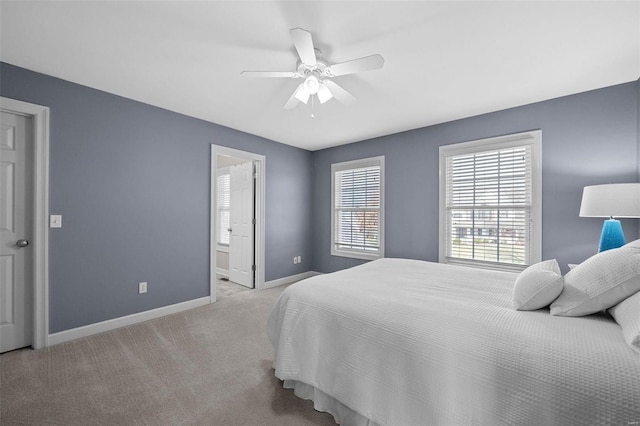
{"x": 241, "y": 218}
{"x": 16, "y": 216}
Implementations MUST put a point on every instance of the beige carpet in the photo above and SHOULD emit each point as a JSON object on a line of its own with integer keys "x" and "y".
{"x": 206, "y": 366}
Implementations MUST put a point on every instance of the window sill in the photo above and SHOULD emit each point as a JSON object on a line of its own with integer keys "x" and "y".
{"x": 357, "y": 255}
{"x": 494, "y": 266}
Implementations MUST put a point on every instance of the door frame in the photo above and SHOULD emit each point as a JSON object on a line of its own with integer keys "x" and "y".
{"x": 40, "y": 119}
{"x": 258, "y": 242}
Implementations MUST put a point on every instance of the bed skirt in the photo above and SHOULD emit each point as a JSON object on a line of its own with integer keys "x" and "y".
{"x": 326, "y": 404}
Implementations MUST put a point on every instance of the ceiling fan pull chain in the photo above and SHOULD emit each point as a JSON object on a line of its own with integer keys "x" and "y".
{"x": 312, "y": 105}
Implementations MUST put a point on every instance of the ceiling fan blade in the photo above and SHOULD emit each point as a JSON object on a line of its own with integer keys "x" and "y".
{"x": 291, "y": 103}
{"x": 353, "y": 66}
{"x": 285, "y": 74}
{"x": 304, "y": 45}
{"x": 339, "y": 93}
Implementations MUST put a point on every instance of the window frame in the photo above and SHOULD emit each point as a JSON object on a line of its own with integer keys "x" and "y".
{"x": 220, "y": 246}
{"x": 530, "y": 138}
{"x": 350, "y": 165}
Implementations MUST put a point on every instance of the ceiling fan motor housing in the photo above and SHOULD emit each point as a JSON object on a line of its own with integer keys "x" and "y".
{"x": 320, "y": 69}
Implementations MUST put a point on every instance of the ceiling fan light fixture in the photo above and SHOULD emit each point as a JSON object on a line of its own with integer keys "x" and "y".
{"x": 324, "y": 94}
{"x": 302, "y": 94}
{"x": 312, "y": 84}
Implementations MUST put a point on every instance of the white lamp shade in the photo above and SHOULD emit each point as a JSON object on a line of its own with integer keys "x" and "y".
{"x": 613, "y": 200}
{"x": 324, "y": 94}
{"x": 301, "y": 94}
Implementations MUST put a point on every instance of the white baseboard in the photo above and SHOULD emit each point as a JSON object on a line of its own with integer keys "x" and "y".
{"x": 112, "y": 324}
{"x": 222, "y": 272}
{"x": 290, "y": 279}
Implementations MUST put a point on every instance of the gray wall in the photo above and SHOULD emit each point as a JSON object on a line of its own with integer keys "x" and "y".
{"x": 132, "y": 184}
{"x": 588, "y": 138}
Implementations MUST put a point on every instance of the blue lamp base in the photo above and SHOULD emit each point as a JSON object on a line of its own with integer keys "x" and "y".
{"x": 612, "y": 235}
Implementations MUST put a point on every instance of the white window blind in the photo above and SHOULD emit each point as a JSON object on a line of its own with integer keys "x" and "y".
{"x": 224, "y": 206}
{"x": 489, "y": 204}
{"x": 358, "y": 209}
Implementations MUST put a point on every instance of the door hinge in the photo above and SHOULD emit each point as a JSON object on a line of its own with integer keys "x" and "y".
{"x": 254, "y": 220}
{"x": 253, "y": 268}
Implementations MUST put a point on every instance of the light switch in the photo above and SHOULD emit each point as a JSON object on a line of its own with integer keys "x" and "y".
{"x": 55, "y": 221}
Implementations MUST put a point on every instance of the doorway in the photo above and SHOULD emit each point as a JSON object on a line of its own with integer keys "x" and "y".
{"x": 24, "y": 127}
{"x": 237, "y": 218}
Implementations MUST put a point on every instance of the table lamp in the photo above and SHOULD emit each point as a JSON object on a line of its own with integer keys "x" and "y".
{"x": 621, "y": 200}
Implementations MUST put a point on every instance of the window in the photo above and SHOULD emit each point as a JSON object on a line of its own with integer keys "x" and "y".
{"x": 357, "y": 224}
{"x": 223, "y": 194}
{"x": 491, "y": 202}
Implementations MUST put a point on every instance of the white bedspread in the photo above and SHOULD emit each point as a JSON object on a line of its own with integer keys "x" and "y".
{"x": 405, "y": 342}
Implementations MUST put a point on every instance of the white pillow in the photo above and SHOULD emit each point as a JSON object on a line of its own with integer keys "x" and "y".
{"x": 599, "y": 282}
{"x": 627, "y": 315}
{"x": 537, "y": 286}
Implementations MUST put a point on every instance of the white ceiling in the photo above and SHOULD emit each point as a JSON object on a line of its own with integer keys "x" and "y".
{"x": 443, "y": 60}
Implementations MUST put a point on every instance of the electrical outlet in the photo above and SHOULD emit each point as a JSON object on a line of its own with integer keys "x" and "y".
{"x": 55, "y": 221}
{"x": 295, "y": 260}
{"x": 142, "y": 288}
{"x": 299, "y": 259}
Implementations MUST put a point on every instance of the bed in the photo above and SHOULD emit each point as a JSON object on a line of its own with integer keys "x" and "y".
{"x": 407, "y": 342}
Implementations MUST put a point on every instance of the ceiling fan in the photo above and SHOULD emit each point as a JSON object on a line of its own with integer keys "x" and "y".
{"x": 317, "y": 72}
